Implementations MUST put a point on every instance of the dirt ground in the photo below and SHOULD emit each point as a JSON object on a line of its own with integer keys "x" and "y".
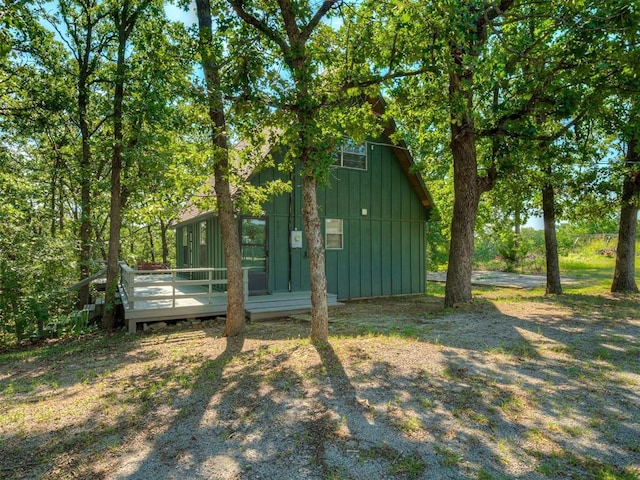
{"x": 511, "y": 386}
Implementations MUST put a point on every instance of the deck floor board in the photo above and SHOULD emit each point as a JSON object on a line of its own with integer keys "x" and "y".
{"x": 192, "y": 301}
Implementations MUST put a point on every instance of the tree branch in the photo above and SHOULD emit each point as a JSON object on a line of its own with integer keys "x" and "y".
{"x": 538, "y": 138}
{"x": 322, "y": 11}
{"x": 383, "y": 78}
{"x": 270, "y": 33}
{"x": 290, "y": 24}
{"x": 488, "y": 16}
{"x": 493, "y": 12}
{"x": 100, "y": 123}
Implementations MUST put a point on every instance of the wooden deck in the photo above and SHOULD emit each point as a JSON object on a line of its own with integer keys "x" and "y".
{"x": 151, "y": 296}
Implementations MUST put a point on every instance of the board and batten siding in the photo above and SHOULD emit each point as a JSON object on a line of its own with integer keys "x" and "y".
{"x": 214, "y": 247}
{"x": 383, "y": 248}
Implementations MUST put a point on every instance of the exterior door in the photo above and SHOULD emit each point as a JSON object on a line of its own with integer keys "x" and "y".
{"x": 255, "y": 252}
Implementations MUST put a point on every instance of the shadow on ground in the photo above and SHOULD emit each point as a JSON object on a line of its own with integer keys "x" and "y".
{"x": 531, "y": 388}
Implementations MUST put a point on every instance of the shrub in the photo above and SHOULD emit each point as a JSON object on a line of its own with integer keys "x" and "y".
{"x": 33, "y": 272}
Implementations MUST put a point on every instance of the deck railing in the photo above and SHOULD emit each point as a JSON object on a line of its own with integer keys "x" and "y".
{"x": 184, "y": 282}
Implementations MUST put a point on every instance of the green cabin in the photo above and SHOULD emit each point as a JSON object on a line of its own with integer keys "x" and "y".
{"x": 373, "y": 215}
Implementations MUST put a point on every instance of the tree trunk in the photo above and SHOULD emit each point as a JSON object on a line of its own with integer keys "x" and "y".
{"x": 83, "y": 55}
{"x": 115, "y": 211}
{"x": 236, "y": 322}
{"x": 310, "y": 217}
{"x": 317, "y": 274}
{"x": 466, "y": 188}
{"x": 108, "y": 319}
{"x": 467, "y": 184}
{"x": 85, "y": 185}
{"x": 152, "y": 247}
{"x": 293, "y": 47}
{"x": 554, "y": 285}
{"x": 624, "y": 275}
{"x": 163, "y": 238}
{"x": 517, "y": 237}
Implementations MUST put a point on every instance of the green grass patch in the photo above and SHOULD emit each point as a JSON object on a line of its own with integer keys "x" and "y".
{"x": 411, "y": 466}
{"x": 468, "y": 413}
{"x": 485, "y": 474}
{"x": 519, "y": 350}
{"x": 409, "y": 425}
{"x": 449, "y": 457}
{"x": 383, "y": 451}
{"x": 56, "y": 350}
{"x": 335, "y": 473}
{"x": 567, "y": 465}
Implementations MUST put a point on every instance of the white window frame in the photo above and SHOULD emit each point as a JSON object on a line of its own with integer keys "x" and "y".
{"x": 349, "y": 147}
{"x": 335, "y": 228}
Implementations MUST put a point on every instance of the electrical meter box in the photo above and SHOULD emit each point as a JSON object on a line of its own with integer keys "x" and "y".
{"x": 296, "y": 239}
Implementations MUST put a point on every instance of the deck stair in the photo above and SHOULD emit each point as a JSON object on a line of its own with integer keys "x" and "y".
{"x": 80, "y": 319}
{"x": 91, "y": 311}
{"x": 282, "y": 305}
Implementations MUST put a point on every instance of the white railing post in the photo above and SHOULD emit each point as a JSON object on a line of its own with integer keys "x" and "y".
{"x": 131, "y": 278}
{"x": 125, "y": 282}
{"x": 173, "y": 288}
{"x": 210, "y": 272}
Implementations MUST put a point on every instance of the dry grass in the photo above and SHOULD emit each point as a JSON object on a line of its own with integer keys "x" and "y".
{"x": 507, "y": 387}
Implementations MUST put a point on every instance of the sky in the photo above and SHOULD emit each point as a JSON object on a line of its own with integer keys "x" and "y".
{"x": 536, "y": 223}
{"x": 176, "y": 13}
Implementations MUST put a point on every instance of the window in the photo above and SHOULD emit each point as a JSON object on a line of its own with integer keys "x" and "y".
{"x": 185, "y": 247}
{"x": 203, "y": 244}
{"x": 351, "y": 155}
{"x": 203, "y": 233}
{"x": 334, "y": 237}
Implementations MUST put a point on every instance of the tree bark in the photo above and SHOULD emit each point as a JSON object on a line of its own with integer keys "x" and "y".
{"x": 152, "y": 247}
{"x": 465, "y": 207}
{"x": 85, "y": 170}
{"x": 82, "y": 37}
{"x": 554, "y": 285}
{"x": 317, "y": 274}
{"x": 310, "y": 217}
{"x": 298, "y": 59}
{"x": 467, "y": 184}
{"x": 125, "y": 22}
{"x": 467, "y": 187}
{"x": 236, "y": 322}
{"x": 624, "y": 280}
{"x": 163, "y": 238}
{"x": 517, "y": 237}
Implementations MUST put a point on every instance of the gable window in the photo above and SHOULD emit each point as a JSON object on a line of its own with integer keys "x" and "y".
{"x": 334, "y": 236}
{"x": 351, "y": 155}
